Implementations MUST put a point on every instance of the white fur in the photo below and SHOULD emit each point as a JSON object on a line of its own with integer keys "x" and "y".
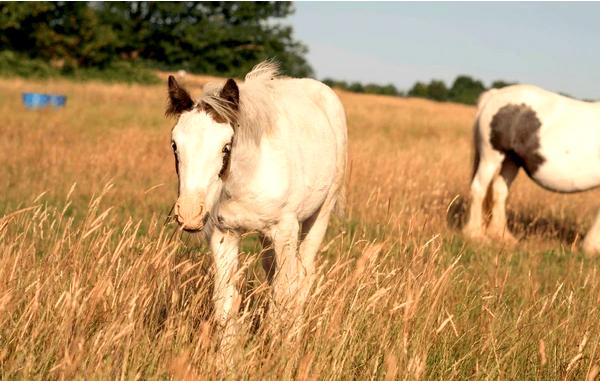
{"x": 569, "y": 139}
{"x": 287, "y": 170}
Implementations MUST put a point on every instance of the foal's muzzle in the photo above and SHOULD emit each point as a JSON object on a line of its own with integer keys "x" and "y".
{"x": 191, "y": 218}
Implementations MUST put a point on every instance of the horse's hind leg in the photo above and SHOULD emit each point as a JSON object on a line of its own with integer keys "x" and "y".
{"x": 282, "y": 268}
{"x": 313, "y": 232}
{"x": 489, "y": 165}
{"x": 268, "y": 258}
{"x": 500, "y": 188}
{"x": 591, "y": 243}
{"x": 291, "y": 273}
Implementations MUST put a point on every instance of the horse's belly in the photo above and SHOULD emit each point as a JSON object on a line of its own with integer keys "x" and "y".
{"x": 313, "y": 170}
{"x": 569, "y": 169}
{"x": 315, "y": 182}
{"x": 312, "y": 201}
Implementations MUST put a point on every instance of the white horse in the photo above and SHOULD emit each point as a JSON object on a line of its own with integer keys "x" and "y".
{"x": 555, "y": 139}
{"x": 265, "y": 155}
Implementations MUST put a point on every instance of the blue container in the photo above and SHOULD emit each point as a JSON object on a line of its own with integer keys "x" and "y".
{"x": 58, "y": 100}
{"x": 35, "y": 100}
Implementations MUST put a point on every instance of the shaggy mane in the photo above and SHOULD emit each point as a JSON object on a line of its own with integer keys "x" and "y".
{"x": 263, "y": 71}
{"x": 254, "y": 115}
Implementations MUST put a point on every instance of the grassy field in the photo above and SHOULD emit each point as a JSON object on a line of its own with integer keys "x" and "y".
{"x": 94, "y": 285}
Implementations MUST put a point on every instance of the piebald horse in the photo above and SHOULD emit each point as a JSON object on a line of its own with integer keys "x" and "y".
{"x": 265, "y": 155}
{"x": 555, "y": 139}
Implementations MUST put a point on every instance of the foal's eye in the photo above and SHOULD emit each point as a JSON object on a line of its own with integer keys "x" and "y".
{"x": 227, "y": 149}
{"x": 174, "y": 146}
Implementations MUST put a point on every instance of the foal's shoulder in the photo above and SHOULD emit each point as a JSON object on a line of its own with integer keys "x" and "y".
{"x": 304, "y": 87}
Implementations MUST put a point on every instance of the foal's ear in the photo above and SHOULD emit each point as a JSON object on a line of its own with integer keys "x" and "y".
{"x": 231, "y": 93}
{"x": 179, "y": 99}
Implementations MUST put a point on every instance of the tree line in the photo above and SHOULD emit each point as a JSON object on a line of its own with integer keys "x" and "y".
{"x": 225, "y": 38}
{"x": 464, "y": 89}
{"x": 369, "y": 88}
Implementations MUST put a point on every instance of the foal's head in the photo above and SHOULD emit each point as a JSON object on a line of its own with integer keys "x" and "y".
{"x": 201, "y": 141}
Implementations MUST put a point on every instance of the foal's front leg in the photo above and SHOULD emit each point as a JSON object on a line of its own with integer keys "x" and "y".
{"x": 225, "y": 248}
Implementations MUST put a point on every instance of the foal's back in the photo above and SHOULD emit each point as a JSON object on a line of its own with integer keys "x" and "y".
{"x": 308, "y": 143}
{"x": 311, "y": 123}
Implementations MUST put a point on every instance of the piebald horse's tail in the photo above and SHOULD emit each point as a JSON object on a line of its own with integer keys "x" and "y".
{"x": 476, "y": 148}
{"x": 483, "y": 98}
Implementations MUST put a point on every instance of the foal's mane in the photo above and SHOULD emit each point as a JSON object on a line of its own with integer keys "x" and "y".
{"x": 254, "y": 115}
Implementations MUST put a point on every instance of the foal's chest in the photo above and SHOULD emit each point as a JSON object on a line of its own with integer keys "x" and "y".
{"x": 243, "y": 216}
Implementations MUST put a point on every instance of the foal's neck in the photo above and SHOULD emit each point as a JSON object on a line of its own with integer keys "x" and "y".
{"x": 243, "y": 164}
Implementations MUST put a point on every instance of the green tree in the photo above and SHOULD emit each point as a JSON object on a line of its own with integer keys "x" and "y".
{"x": 465, "y": 90}
{"x": 370, "y": 88}
{"x": 373, "y": 88}
{"x": 498, "y": 84}
{"x": 389, "y": 89}
{"x": 69, "y": 32}
{"x": 209, "y": 37}
{"x": 329, "y": 82}
{"x": 420, "y": 90}
{"x": 357, "y": 87}
{"x": 437, "y": 90}
{"x": 225, "y": 38}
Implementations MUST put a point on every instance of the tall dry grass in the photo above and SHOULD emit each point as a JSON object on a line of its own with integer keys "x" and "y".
{"x": 94, "y": 285}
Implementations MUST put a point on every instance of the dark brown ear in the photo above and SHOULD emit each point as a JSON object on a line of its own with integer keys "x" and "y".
{"x": 231, "y": 94}
{"x": 179, "y": 99}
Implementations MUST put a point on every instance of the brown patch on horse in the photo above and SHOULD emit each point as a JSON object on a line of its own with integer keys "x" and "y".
{"x": 179, "y": 99}
{"x": 515, "y": 131}
{"x": 226, "y": 160}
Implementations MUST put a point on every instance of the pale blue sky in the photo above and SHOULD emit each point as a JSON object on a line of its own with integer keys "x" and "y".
{"x": 553, "y": 45}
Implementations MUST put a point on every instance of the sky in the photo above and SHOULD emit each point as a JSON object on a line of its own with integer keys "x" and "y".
{"x": 552, "y": 45}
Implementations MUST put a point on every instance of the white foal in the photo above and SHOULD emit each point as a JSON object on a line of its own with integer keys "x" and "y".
{"x": 265, "y": 155}
{"x": 555, "y": 139}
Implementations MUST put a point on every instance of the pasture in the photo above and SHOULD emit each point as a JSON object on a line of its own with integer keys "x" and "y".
{"x": 95, "y": 285}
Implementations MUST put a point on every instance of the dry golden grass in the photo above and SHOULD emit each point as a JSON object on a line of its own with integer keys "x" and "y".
{"x": 93, "y": 285}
